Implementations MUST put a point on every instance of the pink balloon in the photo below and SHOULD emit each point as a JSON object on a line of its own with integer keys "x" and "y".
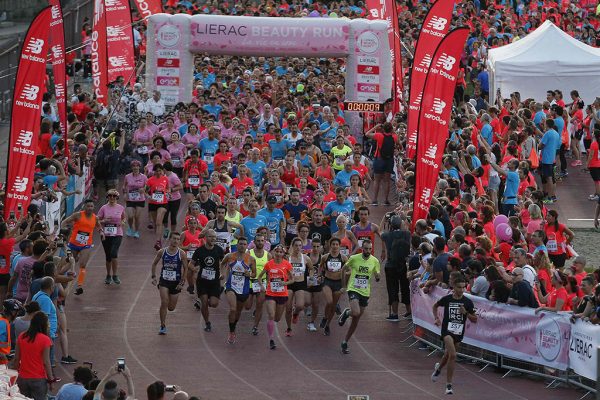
{"x": 503, "y": 232}
{"x": 500, "y": 219}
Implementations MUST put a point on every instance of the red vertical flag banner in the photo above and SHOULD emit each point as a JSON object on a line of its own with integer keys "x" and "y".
{"x": 386, "y": 10}
{"x": 119, "y": 41}
{"x": 148, "y": 7}
{"x": 26, "y": 113}
{"x": 99, "y": 68}
{"x": 436, "y": 107}
{"x": 57, "y": 49}
{"x": 435, "y": 26}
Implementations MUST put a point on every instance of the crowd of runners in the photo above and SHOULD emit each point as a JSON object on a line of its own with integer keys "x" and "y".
{"x": 259, "y": 193}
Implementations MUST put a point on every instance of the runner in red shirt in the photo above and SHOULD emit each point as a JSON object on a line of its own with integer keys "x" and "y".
{"x": 157, "y": 190}
{"x": 194, "y": 172}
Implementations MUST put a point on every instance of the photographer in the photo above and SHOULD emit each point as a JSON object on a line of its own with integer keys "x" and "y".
{"x": 107, "y": 388}
{"x": 397, "y": 243}
{"x": 106, "y": 167}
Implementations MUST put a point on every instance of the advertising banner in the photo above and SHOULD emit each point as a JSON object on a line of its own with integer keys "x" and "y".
{"x": 148, "y": 7}
{"x": 515, "y": 332}
{"x": 435, "y": 27}
{"x": 583, "y": 349}
{"x": 26, "y": 112}
{"x": 57, "y": 48}
{"x": 436, "y": 106}
{"x": 99, "y": 53}
{"x": 119, "y": 41}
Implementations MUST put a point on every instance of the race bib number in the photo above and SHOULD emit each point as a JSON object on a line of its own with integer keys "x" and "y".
{"x": 135, "y": 196}
{"x": 208, "y": 158}
{"x": 279, "y": 199}
{"x": 273, "y": 238}
{"x": 277, "y": 286}
{"x": 240, "y": 201}
{"x": 256, "y": 286}
{"x": 339, "y": 161}
{"x": 176, "y": 161}
{"x": 552, "y": 245}
{"x": 169, "y": 275}
{"x": 298, "y": 270}
{"x": 360, "y": 242}
{"x": 361, "y": 282}
{"x": 237, "y": 283}
{"x": 208, "y": 274}
{"x": 110, "y": 230}
{"x": 193, "y": 181}
{"x": 82, "y": 237}
{"x": 455, "y": 328}
{"x": 142, "y": 150}
{"x": 292, "y": 229}
{"x": 334, "y": 266}
{"x": 312, "y": 281}
{"x": 2, "y": 262}
{"x": 158, "y": 197}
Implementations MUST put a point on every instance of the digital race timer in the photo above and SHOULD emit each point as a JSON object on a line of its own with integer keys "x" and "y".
{"x": 363, "y": 106}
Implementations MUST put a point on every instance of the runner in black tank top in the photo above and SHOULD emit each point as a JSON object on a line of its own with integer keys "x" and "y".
{"x": 331, "y": 269}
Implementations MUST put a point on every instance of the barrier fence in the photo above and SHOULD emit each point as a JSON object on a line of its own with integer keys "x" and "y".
{"x": 517, "y": 339}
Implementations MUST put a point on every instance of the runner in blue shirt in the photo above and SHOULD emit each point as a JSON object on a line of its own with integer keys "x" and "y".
{"x": 208, "y": 148}
{"x": 511, "y": 187}
{"x": 253, "y": 221}
{"x": 337, "y": 207}
{"x": 275, "y": 221}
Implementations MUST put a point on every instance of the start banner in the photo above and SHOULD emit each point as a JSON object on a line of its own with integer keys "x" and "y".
{"x": 515, "y": 332}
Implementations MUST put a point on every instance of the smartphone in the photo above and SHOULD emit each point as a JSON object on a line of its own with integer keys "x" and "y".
{"x": 20, "y": 208}
{"x": 12, "y": 215}
{"x": 170, "y": 388}
{"x": 120, "y": 364}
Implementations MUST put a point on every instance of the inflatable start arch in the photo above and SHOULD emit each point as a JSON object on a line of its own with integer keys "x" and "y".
{"x": 173, "y": 40}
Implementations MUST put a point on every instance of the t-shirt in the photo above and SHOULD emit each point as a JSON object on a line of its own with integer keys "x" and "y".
{"x": 441, "y": 264}
{"x": 158, "y": 189}
{"x": 112, "y": 215}
{"x": 551, "y": 141}
{"x": 277, "y": 274}
{"x": 361, "y": 272}
{"x": 454, "y": 321}
{"x": 347, "y": 208}
{"x": 522, "y": 292}
{"x": 6, "y": 248}
{"x": 32, "y": 360}
{"x": 511, "y": 188}
{"x": 71, "y": 391}
{"x": 251, "y": 224}
{"x": 23, "y": 268}
{"x": 132, "y": 185}
{"x": 48, "y": 308}
{"x": 209, "y": 261}
{"x": 557, "y": 294}
{"x": 273, "y": 219}
{"x": 595, "y": 161}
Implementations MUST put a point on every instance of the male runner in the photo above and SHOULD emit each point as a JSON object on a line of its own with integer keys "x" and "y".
{"x": 208, "y": 284}
{"x": 222, "y": 228}
{"x": 318, "y": 230}
{"x": 275, "y": 221}
{"x": 261, "y": 257}
{"x": 292, "y": 210}
{"x": 172, "y": 277}
{"x": 362, "y": 267}
{"x": 457, "y": 308}
{"x": 253, "y": 221}
{"x": 82, "y": 238}
{"x": 365, "y": 229}
{"x": 238, "y": 267}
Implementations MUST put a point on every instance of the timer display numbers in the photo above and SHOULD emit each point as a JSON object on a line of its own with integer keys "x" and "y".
{"x": 363, "y": 106}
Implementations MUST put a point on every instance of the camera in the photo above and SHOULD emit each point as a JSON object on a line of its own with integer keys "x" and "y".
{"x": 120, "y": 364}
{"x": 170, "y": 388}
{"x": 389, "y": 215}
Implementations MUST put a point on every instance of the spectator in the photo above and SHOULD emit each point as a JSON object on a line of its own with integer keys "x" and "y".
{"x": 521, "y": 293}
{"x": 82, "y": 376}
{"x": 107, "y": 388}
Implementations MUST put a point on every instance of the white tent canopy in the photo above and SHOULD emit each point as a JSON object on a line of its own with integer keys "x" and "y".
{"x": 546, "y": 59}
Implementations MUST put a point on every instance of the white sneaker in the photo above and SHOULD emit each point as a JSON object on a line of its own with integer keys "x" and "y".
{"x": 449, "y": 389}
{"x": 311, "y": 327}
{"x": 436, "y": 372}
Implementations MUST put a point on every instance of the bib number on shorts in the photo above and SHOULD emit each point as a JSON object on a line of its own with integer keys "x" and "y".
{"x": 82, "y": 238}
{"x": 190, "y": 253}
{"x": 208, "y": 274}
{"x": 208, "y": 158}
{"x": 169, "y": 275}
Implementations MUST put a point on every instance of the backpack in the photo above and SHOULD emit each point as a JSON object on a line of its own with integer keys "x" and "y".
{"x": 104, "y": 166}
{"x": 386, "y": 151}
{"x": 400, "y": 248}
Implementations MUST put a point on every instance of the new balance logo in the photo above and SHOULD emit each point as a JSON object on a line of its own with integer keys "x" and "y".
{"x": 20, "y": 184}
{"x": 426, "y": 61}
{"x": 431, "y": 151}
{"x": 425, "y": 196}
{"x": 35, "y": 46}
{"x": 55, "y": 10}
{"x": 445, "y": 61}
{"x": 59, "y": 90}
{"x": 437, "y": 23}
{"x": 30, "y": 92}
{"x": 111, "y": 3}
{"x": 98, "y": 10}
{"x": 24, "y": 138}
{"x": 438, "y": 106}
{"x": 118, "y": 61}
{"x": 57, "y": 51}
{"x": 114, "y": 31}
{"x": 418, "y": 99}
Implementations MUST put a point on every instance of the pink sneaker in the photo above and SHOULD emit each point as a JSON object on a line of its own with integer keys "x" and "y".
{"x": 576, "y": 163}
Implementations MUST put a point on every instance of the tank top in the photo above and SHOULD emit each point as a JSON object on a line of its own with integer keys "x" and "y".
{"x": 192, "y": 241}
{"x": 345, "y": 246}
{"x": 333, "y": 264}
{"x": 363, "y": 233}
{"x": 194, "y": 178}
{"x": 277, "y": 192}
{"x": 260, "y": 265}
{"x": 171, "y": 268}
{"x": 83, "y": 228}
{"x": 288, "y": 176}
{"x": 307, "y": 248}
{"x": 238, "y": 218}
{"x": 237, "y": 279}
{"x": 299, "y": 269}
{"x": 223, "y": 236}
{"x": 354, "y": 196}
{"x": 324, "y": 173}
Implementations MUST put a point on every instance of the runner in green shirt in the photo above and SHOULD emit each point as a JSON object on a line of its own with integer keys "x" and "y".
{"x": 361, "y": 267}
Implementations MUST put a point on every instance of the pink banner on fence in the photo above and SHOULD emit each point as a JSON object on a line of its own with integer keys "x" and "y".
{"x": 515, "y": 332}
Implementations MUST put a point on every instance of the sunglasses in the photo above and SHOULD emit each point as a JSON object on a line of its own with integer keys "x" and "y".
{"x": 112, "y": 195}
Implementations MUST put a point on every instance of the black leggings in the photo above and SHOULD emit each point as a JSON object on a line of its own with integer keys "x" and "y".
{"x": 111, "y": 246}
{"x": 397, "y": 285}
{"x": 563, "y": 158}
{"x": 172, "y": 210}
{"x": 558, "y": 260}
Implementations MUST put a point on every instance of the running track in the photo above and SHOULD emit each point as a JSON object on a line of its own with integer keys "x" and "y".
{"x": 122, "y": 321}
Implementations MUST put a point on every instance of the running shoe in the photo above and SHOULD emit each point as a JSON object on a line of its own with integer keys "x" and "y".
{"x": 554, "y": 198}
{"x": 593, "y": 197}
{"x": 68, "y": 360}
{"x": 272, "y": 345}
{"x": 345, "y": 349}
{"x": 576, "y": 163}
{"x": 107, "y": 281}
{"x": 343, "y": 317}
{"x": 162, "y": 330}
{"x": 198, "y": 305}
{"x": 157, "y": 245}
{"x": 407, "y": 315}
{"x": 129, "y": 232}
{"x": 387, "y": 203}
{"x": 311, "y": 327}
{"x": 449, "y": 389}
{"x": 254, "y": 331}
{"x": 231, "y": 338}
{"x": 190, "y": 289}
{"x": 374, "y": 204}
{"x": 78, "y": 291}
{"x": 289, "y": 333}
{"x": 323, "y": 323}
{"x": 392, "y": 318}
{"x": 136, "y": 234}
{"x": 116, "y": 280}
{"x": 208, "y": 327}
{"x": 436, "y": 372}
{"x": 326, "y": 330}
